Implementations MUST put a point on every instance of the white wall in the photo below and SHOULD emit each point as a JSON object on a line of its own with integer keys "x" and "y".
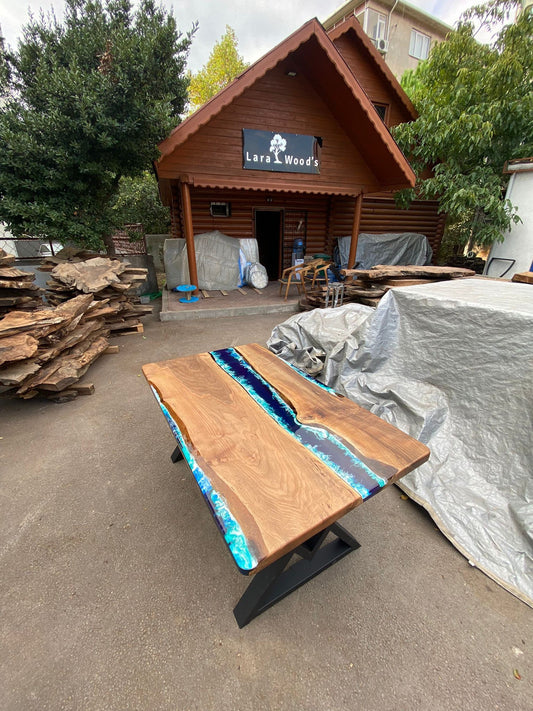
{"x": 518, "y": 243}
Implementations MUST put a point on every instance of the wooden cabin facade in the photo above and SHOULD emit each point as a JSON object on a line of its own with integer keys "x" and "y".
{"x": 220, "y": 170}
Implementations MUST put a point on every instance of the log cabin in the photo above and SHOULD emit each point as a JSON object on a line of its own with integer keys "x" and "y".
{"x": 289, "y": 150}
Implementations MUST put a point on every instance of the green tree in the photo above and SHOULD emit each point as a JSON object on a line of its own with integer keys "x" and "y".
{"x": 89, "y": 100}
{"x": 223, "y": 65}
{"x": 4, "y": 68}
{"x": 138, "y": 201}
{"x": 475, "y": 104}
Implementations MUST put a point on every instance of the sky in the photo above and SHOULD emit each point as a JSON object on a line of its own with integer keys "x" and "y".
{"x": 259, "y": 24}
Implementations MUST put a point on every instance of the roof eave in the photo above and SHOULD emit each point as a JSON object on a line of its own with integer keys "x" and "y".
{"x": 354, "y": 26}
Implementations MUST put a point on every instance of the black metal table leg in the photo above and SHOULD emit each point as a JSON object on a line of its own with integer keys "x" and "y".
{"x": 275, "y": 582}
{"x": 176, "y": 455}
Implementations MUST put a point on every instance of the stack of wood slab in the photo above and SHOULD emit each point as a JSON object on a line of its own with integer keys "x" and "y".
{"x": 111, "y": 282}
{"x": 17, "y": 290}
{"x": 45, "y": 352}
{"x": 523, "y": 277}
{"x": 368, "y": 286}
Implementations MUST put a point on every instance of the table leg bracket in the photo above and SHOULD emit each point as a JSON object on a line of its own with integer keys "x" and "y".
{"x": 275, "y": 582}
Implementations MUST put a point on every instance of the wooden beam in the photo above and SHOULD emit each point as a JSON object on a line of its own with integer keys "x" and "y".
{"x": 355, "y": 230}
{"x": 189, "y": 233}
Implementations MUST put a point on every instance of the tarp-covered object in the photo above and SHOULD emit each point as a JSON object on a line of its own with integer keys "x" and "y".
{"x": 385, "y": 248}
{"x": 451, "y": 364}
{"x": 217, "y": 261}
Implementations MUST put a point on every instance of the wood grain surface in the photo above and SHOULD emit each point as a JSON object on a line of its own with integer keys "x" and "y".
{"x": 384, "y": 448}
{"x": 279, "y": 491}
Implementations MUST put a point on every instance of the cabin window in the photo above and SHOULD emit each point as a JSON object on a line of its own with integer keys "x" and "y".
{"x": 220, "y": 209}
{"x": 419, "y": 45}
{"x": 382, "y": 111}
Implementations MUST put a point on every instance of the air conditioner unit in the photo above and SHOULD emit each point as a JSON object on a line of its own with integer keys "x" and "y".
{"x": 382, "y": 45}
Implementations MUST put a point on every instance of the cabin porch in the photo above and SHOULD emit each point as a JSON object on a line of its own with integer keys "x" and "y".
{"x": 244, "y": 301}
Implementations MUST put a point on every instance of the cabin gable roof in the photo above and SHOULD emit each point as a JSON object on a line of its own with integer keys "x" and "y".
{"x": 313, "y": 54}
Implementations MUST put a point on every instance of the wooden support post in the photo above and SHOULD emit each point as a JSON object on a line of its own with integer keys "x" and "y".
{"x": 189, "y": 233}
{"x": 355, "y": 230}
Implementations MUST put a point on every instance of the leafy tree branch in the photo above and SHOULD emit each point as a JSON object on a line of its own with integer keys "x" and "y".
{"x": 89, "y": 99}
{"x": 475, "y": 104}
{"x": 223, "y": 65}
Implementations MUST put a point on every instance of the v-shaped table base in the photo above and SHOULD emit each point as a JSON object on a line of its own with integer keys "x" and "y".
{"x": 275, "y": 582}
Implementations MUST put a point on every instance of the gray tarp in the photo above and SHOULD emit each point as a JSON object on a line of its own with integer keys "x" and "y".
{"x": 451, "y": 364}
{"x": 386, "y": 248}
{"x": 217, "y": 261}
{"x": 221, "y": 261}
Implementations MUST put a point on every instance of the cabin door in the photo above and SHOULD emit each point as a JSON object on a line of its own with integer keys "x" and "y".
{"x": 269, "y": 236}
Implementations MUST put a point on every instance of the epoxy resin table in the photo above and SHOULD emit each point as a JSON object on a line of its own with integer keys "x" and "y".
{"x": 279, "y": 459}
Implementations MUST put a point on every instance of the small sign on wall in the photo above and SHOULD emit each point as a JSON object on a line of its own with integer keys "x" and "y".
{"x": 280, "y": 152}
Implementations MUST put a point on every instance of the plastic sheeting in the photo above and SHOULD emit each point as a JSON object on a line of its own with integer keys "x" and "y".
{"x": 256, "y": 275}
{"x": 217, "y": 261}
{"x": 450, "y": 364}
{"x": 251, "y": 271}
{"x": 222, "y": 262}
{"x": 249, "y": 249}
{"x": 386, "y": 248}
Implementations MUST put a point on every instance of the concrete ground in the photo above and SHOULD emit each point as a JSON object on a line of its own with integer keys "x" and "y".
{"x": 117, "y": 590}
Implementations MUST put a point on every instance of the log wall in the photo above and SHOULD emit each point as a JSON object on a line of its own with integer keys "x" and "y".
{"x": 380, "y": 214}
{"x": 241, "y": 223}
{"x": 327, "y": 217}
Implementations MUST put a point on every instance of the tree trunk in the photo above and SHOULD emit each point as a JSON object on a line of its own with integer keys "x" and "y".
{"x": 108, "y": 239}
{"x": 109, "y": 245}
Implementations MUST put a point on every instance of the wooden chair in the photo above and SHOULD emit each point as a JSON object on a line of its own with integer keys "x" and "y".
{"x": 316, "y": 267}
{"x": 294, "y": 275}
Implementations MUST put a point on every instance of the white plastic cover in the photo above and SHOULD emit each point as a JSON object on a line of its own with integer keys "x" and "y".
{"x": 451, "y": 364}
{"x": 386, "y": 248}
{"x": 250, "y": 249}
{"x": 256, "y": 275}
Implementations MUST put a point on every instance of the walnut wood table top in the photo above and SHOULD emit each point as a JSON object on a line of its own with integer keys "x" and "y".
{"x": 277, "y": 456}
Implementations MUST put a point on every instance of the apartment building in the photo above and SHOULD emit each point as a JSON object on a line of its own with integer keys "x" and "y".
{"x": 402, "y": 33}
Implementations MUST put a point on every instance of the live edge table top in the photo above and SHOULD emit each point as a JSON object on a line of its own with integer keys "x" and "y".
{"x": 277, "y": 456}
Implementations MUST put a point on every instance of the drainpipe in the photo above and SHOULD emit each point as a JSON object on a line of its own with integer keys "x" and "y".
{"x": 388, "y": 20}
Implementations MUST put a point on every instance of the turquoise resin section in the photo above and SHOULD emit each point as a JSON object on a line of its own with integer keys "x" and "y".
{"x": 322, "y": 443}
{"x": 230, "y": 527}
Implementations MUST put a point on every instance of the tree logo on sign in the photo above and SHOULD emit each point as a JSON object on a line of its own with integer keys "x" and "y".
{"x": 277, "y": 144}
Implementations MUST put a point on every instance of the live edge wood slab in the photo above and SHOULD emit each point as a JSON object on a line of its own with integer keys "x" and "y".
{"x": 277, "y": 456}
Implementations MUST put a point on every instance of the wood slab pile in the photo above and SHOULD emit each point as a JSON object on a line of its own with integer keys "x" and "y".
{"x": 45, "y": 352}
{"x": 523, "y": 277}
{"x": 367, "y": 286}
{"x": 111, "y": 282}
{"x": 17, "y": 288}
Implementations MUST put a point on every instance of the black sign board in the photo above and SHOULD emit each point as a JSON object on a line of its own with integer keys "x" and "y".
{"x": 282, "y": 152}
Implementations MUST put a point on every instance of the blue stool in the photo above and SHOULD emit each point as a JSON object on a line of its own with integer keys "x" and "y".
{"x": 187, "y": 288}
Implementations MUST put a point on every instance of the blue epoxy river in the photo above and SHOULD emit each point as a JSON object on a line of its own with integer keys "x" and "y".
{"x": 231, "y": 529}
{"x": 322, "y": 443}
